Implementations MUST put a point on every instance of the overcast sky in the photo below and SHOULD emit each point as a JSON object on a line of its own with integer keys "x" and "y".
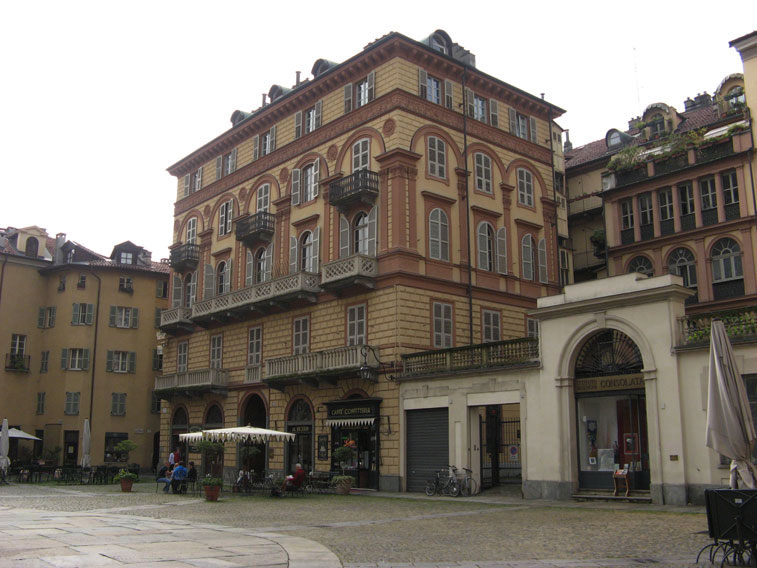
{"x": 99, "y": 98}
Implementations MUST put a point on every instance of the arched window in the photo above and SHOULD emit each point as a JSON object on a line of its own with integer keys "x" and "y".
{"x": 438, "y": 43}
{"x": 307, "y": 253}
{"x": 32, "y": 247}
{"x": 310, "y": 182}
{"x": 303, "y": 252}
{"x": 360, "y": 233}
{"x": 527, "y": 257}
{"x": 222, "y": 278}
{"x": 192, "y": 231}
{"x": 438, "y": 235}
{"x": 358, "y": 237}
{"x": 361, "y": 154}
{"x": 642, "y": 265}
{"x": 735, "y": 97}
{"x": 214, "y": 417}
{"x": 656, "y": 125}
{"x": 263, "y": 197}
{"x": 681, "y": 262}
{"x": 726, "y": 260}
{"x": 483, "y": 172}
{"x": 262, "y": 268}
{"x": 300, "y": 421}
{"x": 190, "y": 287}
{"x": 606, "y": 353}
{"x": 486, "y": 247}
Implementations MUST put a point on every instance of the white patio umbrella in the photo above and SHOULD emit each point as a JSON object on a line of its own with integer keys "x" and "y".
{"x": 237, "y": 434}
{"x": 20, "y": 434}
{"x": 5, "y": 463}
{"x": 86, "y": 440}
{"x": 730, "y": 429}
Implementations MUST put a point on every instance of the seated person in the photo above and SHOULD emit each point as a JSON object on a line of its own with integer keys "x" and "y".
{"x": 192, "y": 473}
{"x": 179, "y": 478}
{"x": 294, "y": 481}
{"x": 164, "y": 476}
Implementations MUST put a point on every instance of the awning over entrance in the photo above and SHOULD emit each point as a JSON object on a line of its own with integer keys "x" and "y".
{"x": 352, "y": 412}
{"x": 350, "y": 421}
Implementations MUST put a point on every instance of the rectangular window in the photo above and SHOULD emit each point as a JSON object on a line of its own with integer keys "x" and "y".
{"x": 46, "y": 317}
{"x": 216, "y": 352}
{"x": 118, "y": 404}
{"x": 301, "y": 336}
{"x": 157, "y": 359}
{"x": 730, "y": 187}
{"x": 525, "y": 188}
{"x": 121, "y": 361}
{"x": 442, "y": 328}
{"x": 479, "y": 108}
{"x": 155, "y": 404}
{"x": 483, "y": 168}
{"x": 364, "y": 90}
{"x": 112, "y": 439}
{"x": 532, "y": 327}
{"x": 255, "y": 346}
{"x": 18, "y": 344}
{"x": 125, "y": 284}
{"x": 433, "y": 90}
{"x": 491, "y": 326}
{"x": 686, "y": 196}
{"x": 40, "y": 403}
{"x": 72, "y": 403}
{"x": 62, "y": 278}
{"x": 437, "y": 157}
{"x": 522, "y": 126}
{"x": 356, "y": 325}
{"x": 82, "y": 282}
{"x": 127, "y": 258}
{"x": 564, "y": 268}
{"x": 626, "y": 214}
{"x": 44, "y": 362}
{"x": 645, "y": 208}
{"x": 161, "y": 289}
{"x": 224, "y": 218}
{"x": 181, "y": 357}
{"x": 197, "y": 177}
{"x": 665, "y": 199}
{"x": 708, "y": 193}
{"x": 82, "y": 314}
{"x": 75, "y": 359}
{"x": 122, "y": 317}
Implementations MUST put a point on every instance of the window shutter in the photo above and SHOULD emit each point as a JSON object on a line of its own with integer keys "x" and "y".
{"x": 448, "y": 102}
{"x": 344, "y": 237}
{"x": 347, "y": 98}
{"x": 75, "y": 314}
{"x": 292, "y": 255}
{"x": 64, "y": 358}
{"x": 229, "y": 275}
{"x": 187, "y": 184}
{"x": 199, "y": 177}
{"x": 268, "y": 262}
{"x": 109, "y": 362}
{"x": 543, "y": 261}
{"x": 192, "y": 288}
{"x": 469, "y": 102}
{"x": 502, "y": 251}
{"x": 208, "y": 282}
{"x": 296, "y": 186}
{"x": 158, "y": 311}
{"x": 316, "y": 248}
{"x": 157, "y": 289}
{"x": 41, "y": 317}
{"x": 371, "y": 85}
{"x": 155, "y": 360}
{"x": 422, "y": 83}
{"x": 248, "y": 272}
{"x": 233, "y": 160}
{"x": 112, "y": 322}
{"x": 483, "y": 253}
{"x": 532, "y": 122}
{"x": 135, "y": 317}
{"x": 372, "y": 232}
{"x": 494, "y": 113}
{"x": 297, "y": 124}
{"x": 90, "y": 313}
{"x": 272, "y": 139}
{"x": 219, "y": 167}
{"x": 256, "y": 147}
{"x": 318, "y": 112}
{"x": 316, "y": 176}
{"x": 176, "y": 292}
{"x": 51, "y": 319}
{"x": 85, "y": 359}
{"x": 132, "y": 361}
{"x": 513, "y": 121}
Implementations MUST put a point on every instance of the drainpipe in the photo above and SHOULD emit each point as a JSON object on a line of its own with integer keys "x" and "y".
{"x": 467, "y": 215}
{"x": 554, "y": 191}
{"x": 94, "y": 348}
{"x": 2, "y": 276}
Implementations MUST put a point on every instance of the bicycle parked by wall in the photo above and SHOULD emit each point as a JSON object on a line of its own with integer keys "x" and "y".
{"x": 468, "y": 485}
{"x": 444, "y": 483}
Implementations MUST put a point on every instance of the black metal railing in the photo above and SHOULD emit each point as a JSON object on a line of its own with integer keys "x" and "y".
{"x": 647, "y": 232}
{"x": 17, "y": 362}
{"x": 672, "y": 164}
{"x": 185, "y": 256}
{"x": 741, "y": 325}
{"x": 626, "y": 236}
{"x": 732, "y": 211}
{"x": 355, "y": 184}
{"x": 715, "y": 152}
{"x": 631, "y": 176}
{"x": 667, "y": 227}
{"x": 255, "y": 225}
{"x": 709, "y": 217}
{"x": 728, "y": 289}
{"x": 688, "y": 222}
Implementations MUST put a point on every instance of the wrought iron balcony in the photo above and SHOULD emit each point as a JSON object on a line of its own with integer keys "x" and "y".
{"x": 319, "y": 367}
{"x": 17, "y": 362}
{"x": 272, "y": 293}
{"x": 176, "y": 320}
{"x": 513, "y": 352}
{"x": 255, "y": 229}
{"x": 714, "y": 152}
{"x": 362, "y": 185}
{"x": 185, "y": 257}
{"x": 694, "y": 330}
{"x": 200, "y": 381}
{"x": 355, "y": 270}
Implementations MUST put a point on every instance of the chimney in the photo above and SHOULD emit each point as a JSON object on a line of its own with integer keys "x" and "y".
{"x": 60, "y": 240}
{"x": 567, "y": 146}
{"x": 298, "y": 79}
{"x": 264, "y": 96}
{"x": 703, "y": 100}
{"x": 688, "y": 105}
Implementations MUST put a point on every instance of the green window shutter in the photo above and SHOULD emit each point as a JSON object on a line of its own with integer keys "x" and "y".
{"x": 371, "y": 85}
{"x": 64, "y": 358}
{"x": 209, "y": 282}
{"x": 187, "y": 179}
{"x": 422, "y": 83}
{"x": 85, "y": 359}
{"x": 90, "y": 312}
{"x": 448, "y": 94}
{"x": 297, "y": 124}
{"x": 158, "y": 289}
{"x": 513, "y": 121}
{"x": 532, "y": 122}
{"x": 347, "y": 98}
{"x": 296, "y": 186}
{"x": 233, "y": 164}
{"x": 112, "y": 316}
{"x": 272, "y": 138}
{"x": 493, "y": 113}
{"x": 132, "y": 362}
{"x": 53, "y": 314}
{"x": 154, "y": 359}
{"x": 219, "y": 167}
{"x": 41, "y": 317}
{"x": 318, "y": 112}
{"x": 256, "y": 147}
{"x": 135, "y": 318}
{"x": 469, "y": 101}
{"x": 75, "y": 314}
{"x": 157, "y": 317}
{"x": 109, "y": 361}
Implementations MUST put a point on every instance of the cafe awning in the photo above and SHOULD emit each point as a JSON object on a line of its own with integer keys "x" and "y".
{"x": 350, "y": 421}
{"x": 238, "y": 434}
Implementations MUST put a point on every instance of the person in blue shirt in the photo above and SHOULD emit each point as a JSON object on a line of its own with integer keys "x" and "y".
{"x": 178, "y": 478}
{"x": 164, "y": 476}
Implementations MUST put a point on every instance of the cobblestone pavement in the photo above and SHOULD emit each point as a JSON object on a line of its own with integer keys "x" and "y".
{"x": 492, "y": 530}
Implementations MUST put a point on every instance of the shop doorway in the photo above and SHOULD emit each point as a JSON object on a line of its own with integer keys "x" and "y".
{"x": 179, "y": 425}
{"x": 70, "y": 447}
{"x": 355, "y": 423}
{"x": 500, "y": 435}
{"x": 212, "y": 461}
{"x": 252, "y": 457}
{"x": 300, "y": 423}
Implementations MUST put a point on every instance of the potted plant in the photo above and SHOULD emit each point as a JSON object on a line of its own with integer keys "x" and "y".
{"x": 212, "y": 452}
{"x": 124, "y": 447}
{"x": 212, "y": 487}
{"x": 126, "y": 479}
{"x": 343, "y": 455}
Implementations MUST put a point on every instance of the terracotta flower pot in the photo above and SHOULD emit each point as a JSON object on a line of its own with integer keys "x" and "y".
{"x": 126, "y": 485}
{"x": 344, "y": 487}
{"x": 212, "y": 492}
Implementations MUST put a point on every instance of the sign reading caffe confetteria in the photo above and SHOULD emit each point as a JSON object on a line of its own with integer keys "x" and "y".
{"x": 618, "y": 382}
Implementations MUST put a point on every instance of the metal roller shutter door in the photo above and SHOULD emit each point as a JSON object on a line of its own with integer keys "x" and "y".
{"x": 427, "y": 445}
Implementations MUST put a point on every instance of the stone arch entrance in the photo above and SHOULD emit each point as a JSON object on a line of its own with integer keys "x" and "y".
{"x": 179, "y": 425}
{"x": 212, "y": 463}
{"x": 253, "y": 456}
{"x": 611, "y": 413}
{"x": 300, "y": 423}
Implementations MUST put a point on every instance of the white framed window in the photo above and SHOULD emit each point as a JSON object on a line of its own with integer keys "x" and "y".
{"x": 301, "y": 335}
{"x": 433, "y": 90}
{"x": 222, "y": 278}
{"x": 313, "y": 118}
{"x": 479, "y": 108}
{"x": 360, "y": 233}
{"x": 438, "y": 235}
{"x": 192, "y": 231}
{"x": 437, "y": 43}
{"x": 190, "y": 289}
{"x": 442, "y": 327}
{"x": 364, "y": 90}
{"x": 124, "y": 317}
{"x": 78, "y": 359}
{"x": 197, "y": 180}
{"x": 259, "y": 265}
{"x": 708, "y": 193}
{"x": 361, "y": 154}
{"x": 527, "y": 257}
{"x": 356, "y": 325}
{"x": 310, "y": 182}
{"x": 491, "y": 325}
{"x": 665, "y": 200}
{"x": 118, "y": 404}
{"x": 72, "y": 403}
{"x": 532, "y": 327}
{"x": 182, "y": 350}
{"x": 46, "y": 317}
{"x": 229, "y": 164}
{"x": 40, "y": 403}
{"x": 483, "y": 166}
{"x": 267, "y": 143}
{"x": 682, "y": 262}
{"x": 686, "y": 197}
{"x": 730, "y": 187}
{"x": 542, "y": 257}
{"x": 121, "y": 362}
{"x": 125, "y": 284}
{"x": 645, "y": 208}
{"x": 225, "y": 213}
{"x": 437, "y": 157}
{"x": 626, "y": 214}
{"x": 126, "y": 258}
{"x": 263, "y": 198}
{"x": 525, "y": 187}
{"x": 485, "y": 247}
{"x": 523, "y": 126}
{"x": 303, "y": 252}
{"x": 18, "y": 344}
{"x": 216, "y": 351}
{"x": 44, "y": 362}
{"x": 726, "y": 261}
{"x": 307, "y": 252}
{"x": 255, "y": 346}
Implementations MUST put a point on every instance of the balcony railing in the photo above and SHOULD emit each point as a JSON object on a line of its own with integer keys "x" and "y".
{"x": 486, "y": 355}
{"x": 320, "y": 362}
{"x": 672, "y": 164}
{"x": 278, "y": 288}
{"x": 17, "y": 362}
{"x": 351, "y": 267}
{"x": 714, "y": 152}
{"x": 362, "y": 185}
{"x": 193, "y": 380}
{"x": 253, "y": 374}
{"x": 185, "y": 257}
{"x": 175, "y": 316}
{"x": 631, "y": 176}
{"x": 694, "y": 330}
{"x": 256, "y": 228}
